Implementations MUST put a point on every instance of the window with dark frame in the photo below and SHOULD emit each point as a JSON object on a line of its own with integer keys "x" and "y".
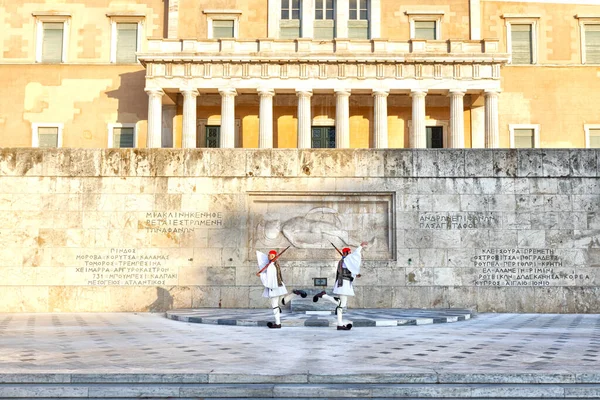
{"x": 123, "y": 137}
{"x": 213, "y": 136}
{"x": 358, "y": 22}
{"x": 323, "y": 137}
{"x": 289, "y": 23}
{"x": 435, "y": 137}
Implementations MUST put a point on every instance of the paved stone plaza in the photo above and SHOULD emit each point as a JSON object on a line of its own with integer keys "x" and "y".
{"x": 555, "y": 350}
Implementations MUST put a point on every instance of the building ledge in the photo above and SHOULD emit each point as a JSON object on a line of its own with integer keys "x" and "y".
{"x": 321, "y": 49}
{"x": 51, "y": 14}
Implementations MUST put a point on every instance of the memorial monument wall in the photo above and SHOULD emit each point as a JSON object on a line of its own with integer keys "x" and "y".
{"x": 155, "y": 229}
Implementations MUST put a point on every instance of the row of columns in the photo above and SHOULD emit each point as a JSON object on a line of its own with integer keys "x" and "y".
{"x": 418, "y": 138}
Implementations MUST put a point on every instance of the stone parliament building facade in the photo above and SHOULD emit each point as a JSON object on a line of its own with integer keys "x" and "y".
{"x": 301, "y": 74}
{"x": 149, "y": 148}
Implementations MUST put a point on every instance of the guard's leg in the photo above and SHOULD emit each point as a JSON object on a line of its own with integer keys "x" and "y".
{"x": 343, "y": 301}
{"x": 276, "y": 313}
{"x": 285, "y": 299}
{"x": 334, "y": 300}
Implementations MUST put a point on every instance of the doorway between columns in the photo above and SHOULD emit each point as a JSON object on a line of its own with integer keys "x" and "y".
{"x": 437, "y": 132}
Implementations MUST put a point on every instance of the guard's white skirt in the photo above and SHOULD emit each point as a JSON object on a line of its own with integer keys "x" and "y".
{"x": 279, "y": 291}
{"x": 346, "y": 288}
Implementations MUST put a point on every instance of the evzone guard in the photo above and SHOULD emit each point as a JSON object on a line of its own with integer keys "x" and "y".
{"x": 270, "y": 275}
{"x": 348, "y": 268}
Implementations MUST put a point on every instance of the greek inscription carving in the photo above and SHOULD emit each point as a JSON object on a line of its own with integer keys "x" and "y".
{"x": 524, "y": 267}
{"x": 459, "y": 220}
{"x": 180, "y": 222}
{"x": 125, "y": 267}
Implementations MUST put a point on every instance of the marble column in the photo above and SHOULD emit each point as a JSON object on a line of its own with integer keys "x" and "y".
{"x": 265, "y": 118}
{"x": 380, "y": 126}
{"x": 342, "y": 118}
{"x": 457, "y": 119}
{"x": 154, "y": 118}
{"x": 188, "y": 140}
{"x": 304, "y": 119}
{"x": 492, "y": 130}
{"x": 418, "y": 139}
{"x": 227, "y": 117}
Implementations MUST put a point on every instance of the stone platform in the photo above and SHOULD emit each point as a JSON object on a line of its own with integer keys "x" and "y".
{"x": 358, "y": 318}
{"x": 127, "y": 355}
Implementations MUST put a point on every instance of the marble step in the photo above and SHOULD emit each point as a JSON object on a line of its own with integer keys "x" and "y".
{"x": 375, "y": 390}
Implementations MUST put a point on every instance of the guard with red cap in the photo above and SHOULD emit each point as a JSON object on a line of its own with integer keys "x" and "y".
{"x": 348, "y": 268}
{"x": 270, "y": 275}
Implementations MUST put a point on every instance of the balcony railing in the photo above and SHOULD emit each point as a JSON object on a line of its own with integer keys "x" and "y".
{"x": 309, "y": 47}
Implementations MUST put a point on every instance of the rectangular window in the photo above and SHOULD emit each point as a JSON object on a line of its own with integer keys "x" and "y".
{"x": 425, "y": 30}
{"x": 524, "y": 139}
{"x": 223, "y": 29}
{"x": 324, "y": 20}
{"x": 52, "y": 42}
{"x": 323, "y": 137}
{"x": 592, "y": 136}
{"x": 592, "y": 43}
{"x": 324, "y": 9}
{"x": 358, "y": 23}
{"x": 359, "y": 9}
{"x": 435, "y": 137}
{"x": 595, "y": 138}
{"x": 289, "y": 24}
{"x": 213, "y": 136}
{"x": 290, "y": 9}
{"x": 48, "y": 136}
{"x": 123, "y": 137}
{"x": 521, "y": 43}
{"x": 127, "y": 42}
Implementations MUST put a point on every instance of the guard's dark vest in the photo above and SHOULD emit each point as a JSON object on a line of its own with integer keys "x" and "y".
{"x": 342, "y": 273}
{"x": 279, "y": 278}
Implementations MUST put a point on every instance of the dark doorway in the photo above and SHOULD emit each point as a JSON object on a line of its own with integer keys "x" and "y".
{"x": 323, "y": 137}
{"x": 435, "y": 137}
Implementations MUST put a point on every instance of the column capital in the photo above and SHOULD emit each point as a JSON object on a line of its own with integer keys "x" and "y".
{"x": 457, "y": 92}
{"x": 268, "y": 92}
{"x": 491, "y": 92}
{"x": 304, "y": 93}
{"x": 154, "y": 91}
{"x": 227, "y": 92}
{"x": 342, "y": 92}
{"x": 418, "y": 92}
{"x": 189, "y": 92}
{"x": 381, "y": 92}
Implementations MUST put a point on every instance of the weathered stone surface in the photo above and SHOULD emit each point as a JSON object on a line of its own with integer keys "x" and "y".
{"x": 184, "y": 226}
{"x": 505, "y": 163}
{"x": 556, "y": 163}
{"x": 479, "y": 163}
{"x": 583, "y": 163}
{"x": 530, "y": 163}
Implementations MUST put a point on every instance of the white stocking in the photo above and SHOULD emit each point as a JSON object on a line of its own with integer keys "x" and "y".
{"x": 276, "y": 310}
{"x": 340, "y": 304}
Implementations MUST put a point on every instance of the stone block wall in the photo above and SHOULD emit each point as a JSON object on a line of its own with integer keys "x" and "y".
{"x": 154, "y": 229}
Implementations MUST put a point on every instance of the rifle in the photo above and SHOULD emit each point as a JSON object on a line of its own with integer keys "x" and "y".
{"x": 338, "y": 250}
{"x": 273, "y": 260}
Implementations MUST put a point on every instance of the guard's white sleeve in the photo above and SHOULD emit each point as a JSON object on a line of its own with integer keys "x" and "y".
{"x": 269, "y": 276}
{"x": 353, "y": 260}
